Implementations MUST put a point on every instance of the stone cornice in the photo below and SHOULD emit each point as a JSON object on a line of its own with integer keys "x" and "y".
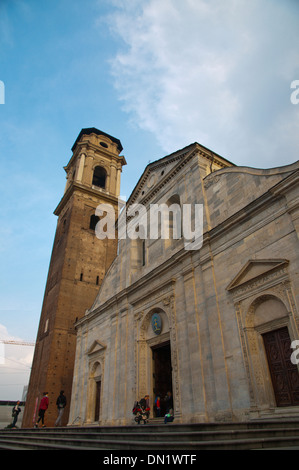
{"x": 86, "y": 146}
{"x": 292, "y": 168}
{"x": 286, "y": 184}
{"x": 75, "y": 186}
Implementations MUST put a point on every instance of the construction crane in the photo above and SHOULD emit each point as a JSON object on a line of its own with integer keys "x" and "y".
{"x": 19, "y": 343}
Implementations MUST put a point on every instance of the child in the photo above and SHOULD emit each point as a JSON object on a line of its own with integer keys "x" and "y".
{"x": 158, "y": 406}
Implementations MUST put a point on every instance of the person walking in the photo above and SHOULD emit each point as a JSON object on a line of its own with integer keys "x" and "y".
{"x": 15, "y": 414}
{"x": 42, "y": 409}
{"x": 61, "y": 404}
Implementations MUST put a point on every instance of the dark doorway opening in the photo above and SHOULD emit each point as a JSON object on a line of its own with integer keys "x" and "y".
{"x": 162, "y": 374}
{"x": 284, "y": 374}
{"x": 98, "y": 401}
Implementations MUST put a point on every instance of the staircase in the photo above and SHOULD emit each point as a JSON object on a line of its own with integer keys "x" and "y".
{"x": 271, "y": 434}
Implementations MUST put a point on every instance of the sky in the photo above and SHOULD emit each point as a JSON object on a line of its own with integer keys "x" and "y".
{"x": 156, "y": 74}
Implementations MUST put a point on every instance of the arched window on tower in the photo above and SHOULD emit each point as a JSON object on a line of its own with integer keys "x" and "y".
{"x": 99, "y": 177}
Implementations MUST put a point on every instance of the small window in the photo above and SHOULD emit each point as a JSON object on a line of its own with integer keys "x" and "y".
{"x": 103, "y": 144}
{"x": 93, "y": 222}
{"x": 81, "y": 277}
{"x": 99, "y": 177}
{"x": 98, "y": 280}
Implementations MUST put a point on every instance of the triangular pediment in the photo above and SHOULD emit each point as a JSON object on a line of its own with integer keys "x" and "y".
{"x": 254, "y": 269}
{"x": 96, "y": 347}
{"x": 155, "y": 172}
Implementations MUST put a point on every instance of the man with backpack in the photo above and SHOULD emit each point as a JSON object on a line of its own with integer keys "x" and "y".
{"x": 61, "y": 404}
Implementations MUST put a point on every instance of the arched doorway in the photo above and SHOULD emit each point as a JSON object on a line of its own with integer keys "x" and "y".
{"x": 269, "y": 330}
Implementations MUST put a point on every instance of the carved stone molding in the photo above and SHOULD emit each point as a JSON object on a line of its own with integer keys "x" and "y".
{"x": 143, "y": 358}
{"x": 256, "y": 276}
{"x": 96, "y": 348}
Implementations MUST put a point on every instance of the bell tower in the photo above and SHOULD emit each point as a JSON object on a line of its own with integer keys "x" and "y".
{"x": 78, "y": 264}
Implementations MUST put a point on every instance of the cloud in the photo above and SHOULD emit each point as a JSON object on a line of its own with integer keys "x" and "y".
{"x": 211, "y": 71}
{"x": 5, "y": 335}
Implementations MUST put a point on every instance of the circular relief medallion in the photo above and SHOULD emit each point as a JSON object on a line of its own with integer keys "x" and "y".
{"x": 156, "y": 323}
{"x": 152, "y": 180}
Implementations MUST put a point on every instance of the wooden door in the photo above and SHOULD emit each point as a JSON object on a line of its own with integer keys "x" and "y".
{"x": 284, "y": 374}
{"x": 98, "y": 401}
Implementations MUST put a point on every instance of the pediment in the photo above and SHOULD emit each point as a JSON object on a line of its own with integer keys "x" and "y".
{"x": 255, "y": 269}
{"x": 156, "y": 172}
{"x": 159, "y": 172}
{"x": 96, "y": 347}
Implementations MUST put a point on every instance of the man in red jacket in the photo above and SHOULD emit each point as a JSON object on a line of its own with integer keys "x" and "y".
{"x": 42, "y": 409}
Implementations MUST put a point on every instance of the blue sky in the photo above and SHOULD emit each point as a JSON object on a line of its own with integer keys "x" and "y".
{"x": 158, "y": 75}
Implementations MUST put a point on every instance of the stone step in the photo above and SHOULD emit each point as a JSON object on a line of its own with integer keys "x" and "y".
{"x": 244, "y": 444}
{"x": 152, "y": 427}
{"x": 196, "y": 436}
{"x": 206, "y": 436}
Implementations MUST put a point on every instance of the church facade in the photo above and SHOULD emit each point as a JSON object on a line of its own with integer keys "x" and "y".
{"x": 213, "y": 325}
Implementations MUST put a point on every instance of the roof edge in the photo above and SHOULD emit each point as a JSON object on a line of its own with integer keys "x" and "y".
{"x": 94, "y": 130}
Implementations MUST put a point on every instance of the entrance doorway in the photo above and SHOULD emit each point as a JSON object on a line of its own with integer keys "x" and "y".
{"x": 284, "y": 374}
{"x": 162, "y": 373}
